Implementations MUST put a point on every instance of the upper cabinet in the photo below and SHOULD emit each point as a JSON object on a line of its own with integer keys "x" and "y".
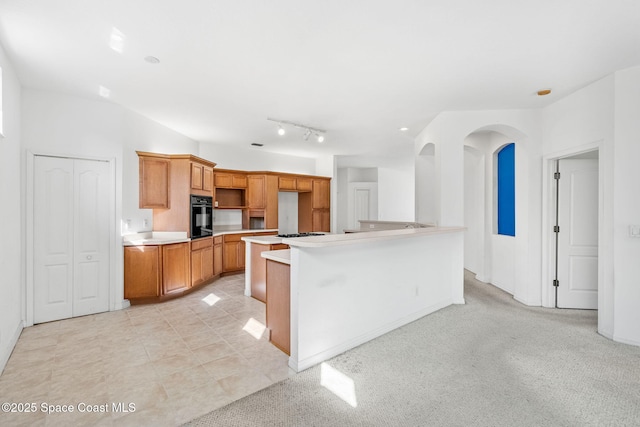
{"x": 201, "y": 179}
{"x": 154, "y": 180}
{"x": 294, "y": 183}
{"x": 230, "y": 180}
{"x": 321, "y": 194}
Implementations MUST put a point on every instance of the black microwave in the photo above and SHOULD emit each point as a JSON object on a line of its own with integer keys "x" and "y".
{"x": 201, "y": 216}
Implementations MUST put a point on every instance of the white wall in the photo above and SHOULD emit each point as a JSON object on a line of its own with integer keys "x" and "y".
{"x": 427, "y": 186}
{"x": 626, "y": 209}
{"x": 11, "y": 215}
{"x": 582, "y": 120}
{"x": 396, "y": 193}
{"x": 255, "y": 159}
{"x": 448, "y": 132}
{"x": 139, "y": 133}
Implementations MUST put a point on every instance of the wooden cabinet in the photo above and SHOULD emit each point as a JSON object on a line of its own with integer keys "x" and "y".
{"x": 321, "y": 194}
{"x": 230, "y": 180}
{"x": 201, "y": 178}
{"x": 259, "y": 269}
{"x": 321, "y": 220}
{"x": 201, "y": 261}
{"x": 217, "y": 255}
{"x": 153, "y": 271}
{"x": 256, "y": 191}
{"x": 294, "y": 183}
{"x": 262, "y": 200}
{"x": 175, "y": 268}
{"x": 142, "y": 271}
{"x": 234, "y": 253}
{"x": 154, "y": 179}
{"x": 278, "y": 314}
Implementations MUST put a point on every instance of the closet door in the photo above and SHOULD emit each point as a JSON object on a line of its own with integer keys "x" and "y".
{"x": 91, "y": 237}
{"x": 53, "y": 238}
{"x": 71, "y": 238}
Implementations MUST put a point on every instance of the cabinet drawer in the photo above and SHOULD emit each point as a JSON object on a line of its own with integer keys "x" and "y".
{"x": 206, "y": 242}
{"x": 232, "y": 237}
{"x": 278, "y": 246}
{"x": 217, "y": 240}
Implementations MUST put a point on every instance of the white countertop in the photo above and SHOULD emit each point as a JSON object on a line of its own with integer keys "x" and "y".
{"x": 155, "y": 238}
{"x": 366, "y": 237}
{"x": 168, "y": 237}
{"x": 263, "y": 240}
{"x": 281, "y": 255}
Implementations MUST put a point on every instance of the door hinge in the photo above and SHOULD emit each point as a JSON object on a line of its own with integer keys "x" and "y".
{"x": 556, "y": 283}
{"x": 556, "y": 175}
{"x": 556, "y": 228}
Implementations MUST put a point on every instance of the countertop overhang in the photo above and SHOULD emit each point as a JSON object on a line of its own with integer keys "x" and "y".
{"x": 367, "y": 237}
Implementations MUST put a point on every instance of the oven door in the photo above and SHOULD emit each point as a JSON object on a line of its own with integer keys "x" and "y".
{"x": 201, "y": 218}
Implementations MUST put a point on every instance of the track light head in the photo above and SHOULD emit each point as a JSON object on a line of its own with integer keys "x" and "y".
{"x": 307, "y": 134}
{"x": 320, "y": 138}
{"x": 280, "y": 130}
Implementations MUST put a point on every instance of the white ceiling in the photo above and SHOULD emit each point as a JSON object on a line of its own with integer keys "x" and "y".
{"x": 358, "y": 69}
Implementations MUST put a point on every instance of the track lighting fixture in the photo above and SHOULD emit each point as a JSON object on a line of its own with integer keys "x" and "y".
{"x": 308, "y": 130}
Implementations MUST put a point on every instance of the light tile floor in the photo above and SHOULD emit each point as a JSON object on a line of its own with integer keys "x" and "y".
{"x": 174, "y": 361}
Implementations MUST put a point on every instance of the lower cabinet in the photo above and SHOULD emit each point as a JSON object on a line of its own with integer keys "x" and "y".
{"x": 142, "y": 271}
{"x": 234, "y": 248}
{"x": 201, "y": 260}
{"x": 217, "y": 255}
{"x": 154, "y": 271}
{"x": 175, "y": 268}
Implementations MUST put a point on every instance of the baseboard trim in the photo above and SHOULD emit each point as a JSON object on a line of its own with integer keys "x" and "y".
{"x": 5, "y": 352}
{"x": 626, "y": 341}
{"x": 310, "y": 361}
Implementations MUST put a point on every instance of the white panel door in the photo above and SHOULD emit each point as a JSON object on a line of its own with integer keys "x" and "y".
{"x": 71, "y": 238}
{"x": 578, "y": 237}
{"x": 91, "y": 241}
{"x": 362, "y": 203}
{"x": 53, "y": 239}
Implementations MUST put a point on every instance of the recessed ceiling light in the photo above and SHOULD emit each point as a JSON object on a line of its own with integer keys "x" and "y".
{"x": 152, "y": 59}
{"x": 544, "y": 92}
{"x": 404, "y": 129}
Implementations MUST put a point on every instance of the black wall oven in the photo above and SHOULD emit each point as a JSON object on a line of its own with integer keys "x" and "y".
{"x": 201, "y": 216}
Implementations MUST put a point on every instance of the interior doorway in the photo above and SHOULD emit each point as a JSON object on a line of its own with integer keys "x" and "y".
{"x": 69, "y": 248}
{"x": 576, "y": 229}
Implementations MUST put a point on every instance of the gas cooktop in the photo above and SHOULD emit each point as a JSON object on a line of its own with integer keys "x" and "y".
{"x": 299, "y": 235}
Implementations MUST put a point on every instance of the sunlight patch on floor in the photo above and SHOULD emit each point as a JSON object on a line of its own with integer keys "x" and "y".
{"x": 211, "y": 299}
{"x": 254, "y": 328}
{"x": 338, "y": 383}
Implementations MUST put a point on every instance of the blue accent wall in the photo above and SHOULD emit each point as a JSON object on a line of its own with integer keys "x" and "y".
{"x": 507, "y": 191}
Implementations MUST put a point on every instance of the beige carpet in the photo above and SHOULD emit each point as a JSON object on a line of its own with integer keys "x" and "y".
{"x": 491, "y": 362}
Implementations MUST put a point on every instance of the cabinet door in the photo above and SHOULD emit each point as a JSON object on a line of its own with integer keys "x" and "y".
{"x": 256, "y": 191}
{"x": 321, "y": 220}
{"x": 175, "y": 267}
{"x": 207, "y": 178}
{"x": 142, "y": 271}
{"x": 197, "y": 263}
{"x": 217, "y": 259}
{"x": 196, "y": 176}
{"x": 304, "y": 184}
{"x": 222, "y": 180}
{"x": 321, "y": 194}
{"x": 154, "y": 182}
{"x": 230, "y": 260}
{"x": 287, "y": 183}
{"x": 239, "y": 181}
{"x": 207, "y": 263}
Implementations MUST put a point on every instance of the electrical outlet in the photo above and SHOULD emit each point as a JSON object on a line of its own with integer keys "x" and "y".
{"x": 127, "y": 224}
{"x": 145, "y": 223}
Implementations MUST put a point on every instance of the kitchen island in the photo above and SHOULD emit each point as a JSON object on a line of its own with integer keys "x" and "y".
{"x": 346, "y": 289}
